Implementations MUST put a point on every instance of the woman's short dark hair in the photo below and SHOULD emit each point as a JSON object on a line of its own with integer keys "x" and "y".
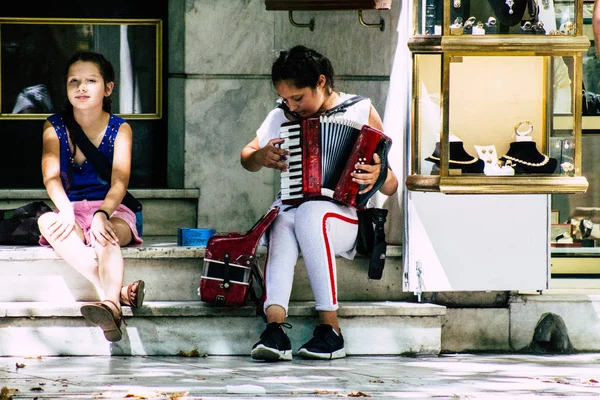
{"x": 302, "y": 66}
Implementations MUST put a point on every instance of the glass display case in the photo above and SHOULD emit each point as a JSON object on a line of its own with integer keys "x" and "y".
{"x": 495, "y": 138}
{"x": 496, "y": 97}
{"x": 576, "y": 251}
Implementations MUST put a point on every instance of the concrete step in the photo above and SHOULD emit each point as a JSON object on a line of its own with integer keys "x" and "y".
{"x": 34, "y": 273}
{"x": 40, "y": 298}
{"x": 167, "y": 328}
{"x": 165, "y": 210}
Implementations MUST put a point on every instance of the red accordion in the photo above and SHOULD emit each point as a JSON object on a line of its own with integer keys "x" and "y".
{"x": 323, "y": 153}
{"x": 231, "y": 272}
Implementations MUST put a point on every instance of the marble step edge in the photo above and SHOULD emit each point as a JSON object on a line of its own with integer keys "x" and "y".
{"x": 154, "y": 247}
{"x": 150, "y": 193}
{"x": 200, "y": 309}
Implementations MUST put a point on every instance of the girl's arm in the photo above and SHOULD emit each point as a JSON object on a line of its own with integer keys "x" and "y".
{"x": 121, "y": 169}
{"x": 51, "y": 169}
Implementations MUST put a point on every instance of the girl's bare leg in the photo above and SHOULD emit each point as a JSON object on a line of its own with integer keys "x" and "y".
{"x": 73, "y": 250}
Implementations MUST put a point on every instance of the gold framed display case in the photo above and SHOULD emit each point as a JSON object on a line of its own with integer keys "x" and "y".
{"x": 499, "y": 112}
{"x": 35, "y": 51}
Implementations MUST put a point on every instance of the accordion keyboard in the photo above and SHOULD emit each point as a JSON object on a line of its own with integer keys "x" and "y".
{"x": 291, "y": 180}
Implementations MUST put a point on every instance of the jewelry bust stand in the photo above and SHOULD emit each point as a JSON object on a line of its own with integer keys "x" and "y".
{"x": 508, "y": 13}
{"x": 459, "y": 158}
{"x": 524, "y": 156}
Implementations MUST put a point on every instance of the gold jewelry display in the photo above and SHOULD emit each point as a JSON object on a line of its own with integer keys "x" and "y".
{"x": 529, "y": 164}
{"x": 529, "y": 126}
{"x": 567, "y": 28}
{"x": 485, "y": 151}
{"x": 567, "y": 167}
{"x": 473, "y": 161}
{"x": 564, "y": 143}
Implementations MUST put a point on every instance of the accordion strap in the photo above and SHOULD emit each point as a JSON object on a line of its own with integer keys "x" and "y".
{"x": 340, "y": 108}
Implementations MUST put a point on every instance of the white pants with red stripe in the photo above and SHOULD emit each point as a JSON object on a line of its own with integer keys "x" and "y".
{"x": 319, "y": 230}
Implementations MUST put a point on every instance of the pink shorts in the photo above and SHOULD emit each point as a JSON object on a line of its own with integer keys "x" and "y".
{"x": 84, "y": 212}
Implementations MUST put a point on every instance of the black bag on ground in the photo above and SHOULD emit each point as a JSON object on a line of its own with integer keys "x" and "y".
{"x": 371, "y": 239}
{"x": 19, "y": 226}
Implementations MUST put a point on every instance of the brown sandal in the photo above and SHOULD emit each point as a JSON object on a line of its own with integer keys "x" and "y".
{"x": 134, "y": 297}
{"x": 102, "y": 315}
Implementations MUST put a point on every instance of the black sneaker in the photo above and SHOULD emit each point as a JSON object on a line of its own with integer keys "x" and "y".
{"x": 326, "y": 344}
{"x": 274, "y": 344}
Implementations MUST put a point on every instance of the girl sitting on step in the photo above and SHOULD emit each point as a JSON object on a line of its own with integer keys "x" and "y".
{"x": 319, "y": 229}
{"x": 89, "y": 210}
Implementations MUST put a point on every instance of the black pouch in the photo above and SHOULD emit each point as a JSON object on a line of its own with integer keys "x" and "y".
{"x": 19, "y": 226}
{"x": 371, "y": 239}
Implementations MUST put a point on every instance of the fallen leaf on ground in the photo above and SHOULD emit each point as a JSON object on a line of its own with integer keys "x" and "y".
{"x": 193, "y": 353}
{"x": 590, "y": 381}
{"x": 358, "y": 394}
{"x": 134, "y": 396}
{"x": 7, "y": 394}
{"x": 376, "y": 381}
{"x": 20, "y": 365}
{"x": 177, "y": 396}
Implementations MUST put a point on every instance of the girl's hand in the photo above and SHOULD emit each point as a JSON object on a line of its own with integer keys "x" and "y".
{"x": 102, "y": 231}
{"x": 63, "y": 226}
{"x": 272, "y": 156}
{"x": 367, "y": 174}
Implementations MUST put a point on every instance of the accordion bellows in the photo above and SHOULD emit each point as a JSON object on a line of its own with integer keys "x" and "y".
{"x": 323, "y": 154}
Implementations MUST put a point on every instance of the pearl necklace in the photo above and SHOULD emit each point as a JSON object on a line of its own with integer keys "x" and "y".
{"x": 456, "y": 162}
{"x": 529, "y": 164}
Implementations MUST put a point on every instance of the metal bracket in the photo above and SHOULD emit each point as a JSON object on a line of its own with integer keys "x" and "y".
{"x": 419, "y": 289}
{"x": 310, "y": 25}
{"x": 380, "y": 25}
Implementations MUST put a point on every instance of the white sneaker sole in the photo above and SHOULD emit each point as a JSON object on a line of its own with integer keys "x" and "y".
{"x": 262, "y": 352}
{"x": 341, "y": 353}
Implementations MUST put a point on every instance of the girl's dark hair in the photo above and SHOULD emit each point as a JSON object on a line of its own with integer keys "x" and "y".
{"x": 302, "y": 66}
{"x": 108, "y": 74}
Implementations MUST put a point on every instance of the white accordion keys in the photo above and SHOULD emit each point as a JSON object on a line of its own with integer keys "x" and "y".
{"x": 291, "y": 180}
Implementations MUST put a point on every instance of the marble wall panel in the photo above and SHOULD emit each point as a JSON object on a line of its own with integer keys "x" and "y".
{"x": 352, "y": 48}
{"x": 221, "y": 118}
{"x": 228, "y": 37}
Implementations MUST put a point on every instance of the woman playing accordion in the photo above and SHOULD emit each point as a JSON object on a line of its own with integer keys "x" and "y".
{"x": 320, "y": 229}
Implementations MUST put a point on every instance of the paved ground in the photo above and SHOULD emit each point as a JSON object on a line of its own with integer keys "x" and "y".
{"x": 445, "y": 377}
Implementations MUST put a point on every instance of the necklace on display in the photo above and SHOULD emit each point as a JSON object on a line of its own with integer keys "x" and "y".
{"x": 456, "y": 162}
{"x": 510, "y": 4}
{"x": 529, "y": 164}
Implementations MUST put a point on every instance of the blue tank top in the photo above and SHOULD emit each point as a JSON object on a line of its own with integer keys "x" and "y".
{"x": 82, "y": 182}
